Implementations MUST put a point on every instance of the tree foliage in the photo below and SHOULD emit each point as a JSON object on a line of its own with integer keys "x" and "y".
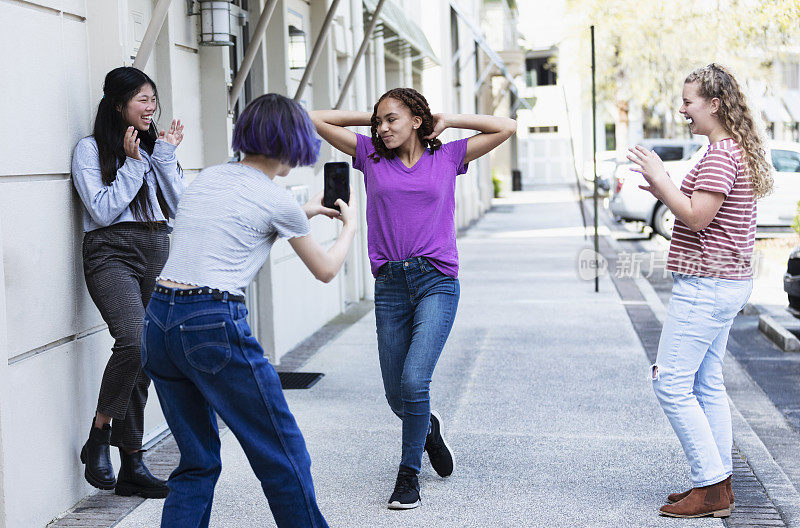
{"x": 645, "y": 50}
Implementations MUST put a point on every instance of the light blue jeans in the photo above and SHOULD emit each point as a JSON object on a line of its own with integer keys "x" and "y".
{"x": 687, "y": 375}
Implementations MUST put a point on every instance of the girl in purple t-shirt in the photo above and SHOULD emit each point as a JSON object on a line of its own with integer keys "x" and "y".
{"x": 410, "y": 179}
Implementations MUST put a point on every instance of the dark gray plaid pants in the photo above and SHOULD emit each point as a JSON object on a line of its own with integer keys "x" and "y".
{"x": 121, "y": 263}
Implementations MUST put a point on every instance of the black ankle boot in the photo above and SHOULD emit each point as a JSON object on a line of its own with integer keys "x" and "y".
{"x": 96, "y": 455}
{"x": 136, "y": 479}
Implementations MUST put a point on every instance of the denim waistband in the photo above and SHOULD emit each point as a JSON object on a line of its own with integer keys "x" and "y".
{"x": 196, "y": 294}
{"x": 418, "y": 261}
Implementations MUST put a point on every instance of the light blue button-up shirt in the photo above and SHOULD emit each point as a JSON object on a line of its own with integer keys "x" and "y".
{"x": 105, "y": 205}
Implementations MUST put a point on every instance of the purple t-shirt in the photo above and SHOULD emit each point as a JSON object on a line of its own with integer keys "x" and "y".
{"x": 411, "y": 211}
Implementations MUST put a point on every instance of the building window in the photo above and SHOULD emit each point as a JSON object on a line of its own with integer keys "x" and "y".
{"x": 791, "y": 75}
{"x": 611, "y": 136}
{"x": 543, "y": 129}
{"x": 297, "y": 48}
{"x": 540, "y": 71}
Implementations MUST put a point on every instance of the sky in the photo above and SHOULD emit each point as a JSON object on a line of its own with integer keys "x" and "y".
{"x": 539, "y": 21}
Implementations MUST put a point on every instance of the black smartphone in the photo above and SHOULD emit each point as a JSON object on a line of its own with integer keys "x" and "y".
{"x": 337, "y": 183}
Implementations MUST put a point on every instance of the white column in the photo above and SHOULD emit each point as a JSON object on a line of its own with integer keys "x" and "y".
{"x": 215, "y": 123}
{"x": 380, "y": 62}
{"x": 4, "y": 399}
{"x": 407, "y": 77}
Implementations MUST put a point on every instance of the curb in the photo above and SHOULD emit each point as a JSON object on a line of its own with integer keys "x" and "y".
{"x": 776, "y": 483}
{"x": 778, "y": 486}
{"x": 779, "y": 335}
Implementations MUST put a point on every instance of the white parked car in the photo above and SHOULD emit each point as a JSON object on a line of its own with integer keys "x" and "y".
{"x": 632, "y": 204}
{"x": 606, "y": 165}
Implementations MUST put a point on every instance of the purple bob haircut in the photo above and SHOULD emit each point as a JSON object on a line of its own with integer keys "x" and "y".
{"x": 277, "y": 127}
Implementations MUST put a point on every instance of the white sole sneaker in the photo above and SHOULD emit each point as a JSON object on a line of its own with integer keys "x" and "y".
{"x": 400, "y": 506}
{"x": 444, "y": 441}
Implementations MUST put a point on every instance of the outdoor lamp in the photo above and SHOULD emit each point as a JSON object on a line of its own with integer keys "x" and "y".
{"x": 297, "y": 48}
{"x": 215, "y": 23}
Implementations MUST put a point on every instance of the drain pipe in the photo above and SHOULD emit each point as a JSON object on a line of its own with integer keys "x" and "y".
{"x": 151, "y": 34}
{"x": 250, "y": 53}
{"x": 361, "y": 50}
{"x": 312, "y": 61}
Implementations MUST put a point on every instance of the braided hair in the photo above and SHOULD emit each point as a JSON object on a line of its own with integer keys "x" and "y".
{"x": 418, "y": 106}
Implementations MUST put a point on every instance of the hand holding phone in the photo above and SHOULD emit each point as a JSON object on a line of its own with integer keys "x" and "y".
{"x": 337, "y": 183}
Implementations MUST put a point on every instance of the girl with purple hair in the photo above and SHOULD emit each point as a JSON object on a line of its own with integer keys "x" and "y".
{"x": 197, "y": 345}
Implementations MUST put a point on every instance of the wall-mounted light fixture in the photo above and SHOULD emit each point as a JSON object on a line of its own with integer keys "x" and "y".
{"x": 297, "y": 48}
{"x": 215, "y": 21}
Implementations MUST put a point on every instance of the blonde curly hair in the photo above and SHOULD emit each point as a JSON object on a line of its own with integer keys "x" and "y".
{"x": 735, "y": 116}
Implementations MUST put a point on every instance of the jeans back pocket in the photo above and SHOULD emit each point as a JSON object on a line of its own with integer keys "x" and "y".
{"x": 730, "y": 297}
{"x": 206, "y": 347}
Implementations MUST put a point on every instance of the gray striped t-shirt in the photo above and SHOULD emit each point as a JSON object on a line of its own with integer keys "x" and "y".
{"x": 227, "y": 221}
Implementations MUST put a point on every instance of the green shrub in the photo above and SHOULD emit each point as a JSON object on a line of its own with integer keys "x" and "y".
{"x": 497, "y": 184}
{"x": 796, "y": 221}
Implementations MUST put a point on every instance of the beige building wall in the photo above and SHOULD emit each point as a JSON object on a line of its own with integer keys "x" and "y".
{"x": 53, "y": 341}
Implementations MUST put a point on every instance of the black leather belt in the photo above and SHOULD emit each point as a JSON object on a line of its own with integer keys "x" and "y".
{"x": 216, "y": 294}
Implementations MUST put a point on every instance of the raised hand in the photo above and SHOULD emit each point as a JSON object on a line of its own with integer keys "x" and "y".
{"x": 439, "y": 125}
{"x": 649, "y": 165}
{"x": 175, "y": 133}
{"x": 130, "y": 143}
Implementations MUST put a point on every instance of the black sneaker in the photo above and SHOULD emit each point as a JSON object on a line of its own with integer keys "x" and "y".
{"x": 439, "y": 452}
{"x": 406, "y": 491}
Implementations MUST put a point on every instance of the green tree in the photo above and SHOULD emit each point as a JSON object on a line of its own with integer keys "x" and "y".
{"x": 645, "y": 49}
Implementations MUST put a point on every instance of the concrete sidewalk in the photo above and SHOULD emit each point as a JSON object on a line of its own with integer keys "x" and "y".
{"x": 542, "y": 387}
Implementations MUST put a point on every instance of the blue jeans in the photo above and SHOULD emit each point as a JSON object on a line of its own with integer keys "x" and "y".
{"x": 687, "y": 375}
{"x": 202, "y": 358}
{"x": 415, "y": 306}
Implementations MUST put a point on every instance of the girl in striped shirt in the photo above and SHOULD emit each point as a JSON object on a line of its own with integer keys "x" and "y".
{"x": 710, "y": 257}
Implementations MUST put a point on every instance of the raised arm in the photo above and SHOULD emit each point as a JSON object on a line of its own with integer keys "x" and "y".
{"x": 165, "y": 164}
{"x": 696, "y": 212}
{"x": 105, "y": 202}
{"x": 168, "y": 174}
{"x": 493, "y": 131}
{"x": 331, "y": 125}
{"x": 324, "y": 265}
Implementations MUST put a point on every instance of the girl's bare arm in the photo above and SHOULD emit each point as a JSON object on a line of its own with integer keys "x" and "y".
{"x": 330, "y": 124}
{"x": 493, "y": 131}
{"x": 696, "y": 212}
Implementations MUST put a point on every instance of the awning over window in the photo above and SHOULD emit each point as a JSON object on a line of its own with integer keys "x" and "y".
{"x": 773, "y": 109}
{"x": 791, "y": 98}
{"x": 477, "y": 34}
{"x": 395, "y": 20}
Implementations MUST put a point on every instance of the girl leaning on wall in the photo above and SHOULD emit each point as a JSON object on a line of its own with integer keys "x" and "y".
{"x": 129, "y": 181}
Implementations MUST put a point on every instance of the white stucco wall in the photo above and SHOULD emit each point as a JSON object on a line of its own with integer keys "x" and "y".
{"x": 53, "y": 341}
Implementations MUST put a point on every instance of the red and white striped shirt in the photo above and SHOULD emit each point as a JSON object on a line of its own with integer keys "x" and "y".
{"x": 724, "y": 248}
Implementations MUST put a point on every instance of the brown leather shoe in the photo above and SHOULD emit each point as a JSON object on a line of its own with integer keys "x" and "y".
{"x": 675, "y": 497}
{"x": 701, "y": 502}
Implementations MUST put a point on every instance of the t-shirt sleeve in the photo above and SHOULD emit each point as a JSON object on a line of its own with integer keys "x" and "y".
{"x": 290, "y": 221}
{"x": 364, "y": 148}
{"x": 456, "y": 151}
{"x": 717, "y": 172}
